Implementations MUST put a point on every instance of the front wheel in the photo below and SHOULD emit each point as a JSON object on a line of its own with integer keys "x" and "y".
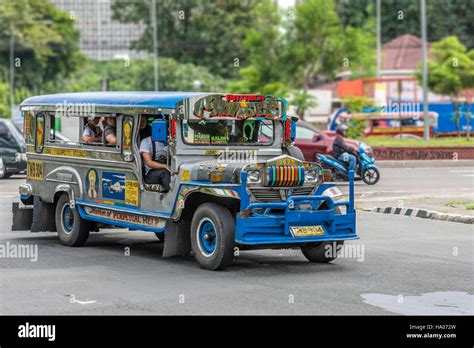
{"x": 72, "y": 229}
{"x": 322, "y": 252}
{"x": 212, "y": 236}
{"x": 3, "y": 170}
{"x": 370, "y": 176}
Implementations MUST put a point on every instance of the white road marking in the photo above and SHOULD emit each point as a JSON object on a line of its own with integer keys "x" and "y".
{"x": 462, "y": 171}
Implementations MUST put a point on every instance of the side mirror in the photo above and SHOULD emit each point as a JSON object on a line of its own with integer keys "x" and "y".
{"x": 159, "y": 131}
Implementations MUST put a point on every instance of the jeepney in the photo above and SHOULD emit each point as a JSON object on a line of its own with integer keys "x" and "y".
{"x": 237, "y": 183}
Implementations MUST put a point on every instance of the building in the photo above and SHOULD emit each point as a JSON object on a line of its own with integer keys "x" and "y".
{"x": 101, "y": 37}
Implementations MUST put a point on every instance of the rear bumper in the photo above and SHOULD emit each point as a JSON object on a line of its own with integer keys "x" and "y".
{"x": 271, "y": 223}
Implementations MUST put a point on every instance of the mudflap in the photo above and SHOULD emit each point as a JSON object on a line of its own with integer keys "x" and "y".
{"x": 177, "y": 238}
{"x": 43, "y": 216}
{"x": 22, "y": 217}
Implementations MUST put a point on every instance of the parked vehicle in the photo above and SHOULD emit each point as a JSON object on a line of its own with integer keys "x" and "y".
{"x": 12, "y": 150}
{"x": 366, "y": 168}
{"x": 234, "y": 184}
{"x": 312, "y": 141}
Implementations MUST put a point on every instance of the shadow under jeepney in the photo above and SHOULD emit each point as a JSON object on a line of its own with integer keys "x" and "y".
{"x": 297, "y": 220}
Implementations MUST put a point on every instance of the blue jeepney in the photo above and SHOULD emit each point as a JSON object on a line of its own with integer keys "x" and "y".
{"x": 236, "y": 181}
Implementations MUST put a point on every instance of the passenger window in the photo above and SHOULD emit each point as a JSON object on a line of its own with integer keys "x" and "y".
{"x": 68, "y": 133}
{"x": 5, "y": 135}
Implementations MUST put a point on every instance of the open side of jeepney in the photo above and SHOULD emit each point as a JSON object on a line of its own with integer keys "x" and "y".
{"x": 236, "y": 181}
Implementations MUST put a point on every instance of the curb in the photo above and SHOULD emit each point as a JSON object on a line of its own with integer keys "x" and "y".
{"x": 425, "y": 163}
{"x": 425, "y": 214}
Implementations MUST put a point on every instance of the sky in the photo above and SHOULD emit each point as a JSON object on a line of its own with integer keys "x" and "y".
{"x": 286, "y": 3}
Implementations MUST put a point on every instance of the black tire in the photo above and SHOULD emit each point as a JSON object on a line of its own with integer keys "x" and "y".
{"x": 72, "y": 229}
{"x": 3, "y": 170}
{"x": 371, "y": 176}
{"x": 295, "y": 152}
{"x": 318, "y": 252}
{"x": 222, "y": 228}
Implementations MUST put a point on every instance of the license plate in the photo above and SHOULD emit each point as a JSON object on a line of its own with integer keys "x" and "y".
{"x": 306, "y": 231}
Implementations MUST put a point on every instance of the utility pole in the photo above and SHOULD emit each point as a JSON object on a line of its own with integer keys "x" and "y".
{"x": 426, "y": 126}
{"x": 155, "y": 43}
{"x": 379, "y": 38}
{"x": 12, "y": 67}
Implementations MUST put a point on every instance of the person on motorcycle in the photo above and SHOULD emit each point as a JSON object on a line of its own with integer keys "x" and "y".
{"x": 341, "y": 151}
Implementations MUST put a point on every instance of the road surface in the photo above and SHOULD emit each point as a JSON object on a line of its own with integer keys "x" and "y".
{"x": 400, "y": 265}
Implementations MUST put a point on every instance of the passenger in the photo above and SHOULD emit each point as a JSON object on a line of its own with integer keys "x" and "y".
{"x": 92, "y": 132}
{"x": 341, "y": 151}
{"x": 109, "y": 133}
{"x": 155, "y": 156}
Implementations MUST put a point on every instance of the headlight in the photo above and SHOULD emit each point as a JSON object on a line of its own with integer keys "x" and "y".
{"x": 310, "y": 176}
{"x": 253, "y": 177}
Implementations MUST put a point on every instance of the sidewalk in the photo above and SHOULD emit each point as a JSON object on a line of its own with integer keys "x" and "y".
{"x": 425, "y": 163}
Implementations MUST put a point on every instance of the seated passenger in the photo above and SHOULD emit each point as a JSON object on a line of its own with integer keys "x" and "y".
{"x": 92, "y": 132}
{"x": 155, "y": 156}
{"x": 109, "y": 132}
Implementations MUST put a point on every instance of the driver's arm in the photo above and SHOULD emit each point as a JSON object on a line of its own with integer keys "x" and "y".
{"x": 152, "y": 164}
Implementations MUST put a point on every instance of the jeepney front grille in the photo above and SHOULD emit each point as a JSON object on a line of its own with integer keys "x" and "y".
{"x": 284, "y": 176}
{"x": 278, "y": 195}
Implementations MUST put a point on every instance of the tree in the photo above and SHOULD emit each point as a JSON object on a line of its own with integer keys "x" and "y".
{"x": 403, "y": 17}
{"x": 135, "y": 75}
{"x": 312, "y": 46}
{"x": 45, "y": 43}
{"x": 450, "y": 70}
{"x": 203, "y": 32}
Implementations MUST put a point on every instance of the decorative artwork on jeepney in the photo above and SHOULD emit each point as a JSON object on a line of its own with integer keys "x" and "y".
{"x": 131, "y": 192}
{"x": 239, "y": 106}
{"x": 113, "y": 185}
{"x": 40, "y": 128}
{"x": 92, "y": 183}
{"x": 27, "y": 126}
{"x": 127, "y": 127}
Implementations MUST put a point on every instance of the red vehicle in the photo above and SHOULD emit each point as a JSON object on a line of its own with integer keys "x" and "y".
{"x": 312, "y": 141}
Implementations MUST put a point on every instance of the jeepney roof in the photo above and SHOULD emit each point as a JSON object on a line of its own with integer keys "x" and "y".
{"x": 166, "y": 100}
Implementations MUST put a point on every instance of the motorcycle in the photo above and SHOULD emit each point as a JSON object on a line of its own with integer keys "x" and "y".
{"x": 366, "y": 168}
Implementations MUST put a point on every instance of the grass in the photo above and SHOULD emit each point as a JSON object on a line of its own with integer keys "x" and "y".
{"x": 468, "y": 205}
{"x": 435, "y": 142}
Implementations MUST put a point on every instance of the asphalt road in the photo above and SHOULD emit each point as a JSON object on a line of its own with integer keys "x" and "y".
{"x": 441, "y": 189}
{"x": 403, "y": 266}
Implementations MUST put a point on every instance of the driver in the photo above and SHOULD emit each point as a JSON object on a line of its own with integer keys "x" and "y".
{"x": 341, "y": 151}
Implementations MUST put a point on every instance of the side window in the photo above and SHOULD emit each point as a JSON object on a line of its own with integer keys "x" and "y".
{"x": 5, "y": 135}
{"x": 62, "y": 129}
{"x": 304, "y": 133}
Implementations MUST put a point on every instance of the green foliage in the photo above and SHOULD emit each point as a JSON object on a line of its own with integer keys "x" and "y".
{"x": 450, "y": 70}
{"x": 45, "y": 42}
{"x": 203, "y": 32}
{"x": 136, "y": 75}
{"x": 443, "y": 17}
{"x": 302, "y": 100}
{"x": 357, "y": 104}
{"x": 313, "y": 45}
{"x": 4, "y": 100}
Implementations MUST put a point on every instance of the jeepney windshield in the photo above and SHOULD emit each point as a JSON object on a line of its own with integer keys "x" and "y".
{"x": 228, "y": 132}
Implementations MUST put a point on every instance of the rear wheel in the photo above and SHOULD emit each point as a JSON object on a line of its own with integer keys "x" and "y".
{"x": 370, "y": 176}
{"x": 72, "y": 229}
{"x": 212, "y": 236}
